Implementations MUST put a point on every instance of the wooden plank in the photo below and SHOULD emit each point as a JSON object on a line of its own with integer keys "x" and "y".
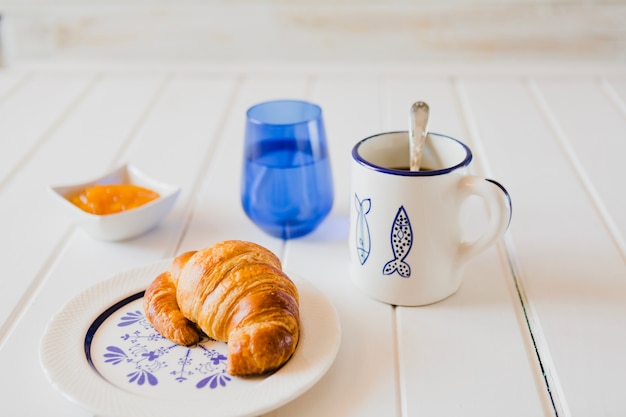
{"x": 480, "y": 330}
{"x": 9, "y": 81}
{"x": 594, "y": 142}
{"x": 29, "y": 115}
{"x": 568, "y": 266}
{"x": 615, "y": 88}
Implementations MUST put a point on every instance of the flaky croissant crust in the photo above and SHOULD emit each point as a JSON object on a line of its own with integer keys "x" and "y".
{"x": 234, "y": 292}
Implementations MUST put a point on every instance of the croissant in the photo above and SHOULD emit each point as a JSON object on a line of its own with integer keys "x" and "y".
{"x": 234, "y": 292}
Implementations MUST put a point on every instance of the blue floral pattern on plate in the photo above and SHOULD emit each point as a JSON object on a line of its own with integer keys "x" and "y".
{"x": 134, "y": 352}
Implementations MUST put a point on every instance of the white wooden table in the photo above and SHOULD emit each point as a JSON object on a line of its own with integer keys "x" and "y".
{"x": 538, "y": 327}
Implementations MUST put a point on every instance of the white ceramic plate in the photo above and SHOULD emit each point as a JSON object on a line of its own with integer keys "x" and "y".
{"x": 126, "y": 224}
{"x": 102, "y": 353}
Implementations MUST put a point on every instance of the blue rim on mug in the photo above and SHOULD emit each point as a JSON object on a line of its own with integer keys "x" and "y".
{"x": 386, "y": 170}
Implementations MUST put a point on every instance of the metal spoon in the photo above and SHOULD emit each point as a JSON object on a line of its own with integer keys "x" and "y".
{"x": 418, "y": 129}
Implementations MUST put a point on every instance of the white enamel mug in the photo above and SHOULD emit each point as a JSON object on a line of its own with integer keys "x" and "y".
{"x": 406, "y": 228}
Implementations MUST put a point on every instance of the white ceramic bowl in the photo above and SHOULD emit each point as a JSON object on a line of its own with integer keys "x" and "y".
{"x": 125, "y": 224}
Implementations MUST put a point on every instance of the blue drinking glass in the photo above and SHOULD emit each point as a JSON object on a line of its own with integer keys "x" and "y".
{"x": 287, "y": 187}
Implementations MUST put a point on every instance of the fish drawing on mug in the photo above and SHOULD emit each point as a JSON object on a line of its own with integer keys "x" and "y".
{"x": 401, "y": 242}
{"x": 363, "y": 239}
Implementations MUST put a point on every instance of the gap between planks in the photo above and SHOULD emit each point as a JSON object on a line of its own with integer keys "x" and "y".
{"x": 562, "y": 140}
{"x": 526, "y": 311}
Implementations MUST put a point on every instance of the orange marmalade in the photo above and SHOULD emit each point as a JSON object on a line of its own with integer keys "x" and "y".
{"x": 112, "y": 198}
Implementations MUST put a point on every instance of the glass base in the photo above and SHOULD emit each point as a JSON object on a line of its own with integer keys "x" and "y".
{"x": 289, "y": 231}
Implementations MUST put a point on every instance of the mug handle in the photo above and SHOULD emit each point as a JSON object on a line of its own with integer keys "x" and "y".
{"x": 499, "y": 210}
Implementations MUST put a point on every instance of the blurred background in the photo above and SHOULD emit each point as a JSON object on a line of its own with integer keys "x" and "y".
{"x": 312, "y": 30}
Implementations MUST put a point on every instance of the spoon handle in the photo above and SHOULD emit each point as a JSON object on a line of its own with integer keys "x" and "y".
{"x": 417, "y": 132}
